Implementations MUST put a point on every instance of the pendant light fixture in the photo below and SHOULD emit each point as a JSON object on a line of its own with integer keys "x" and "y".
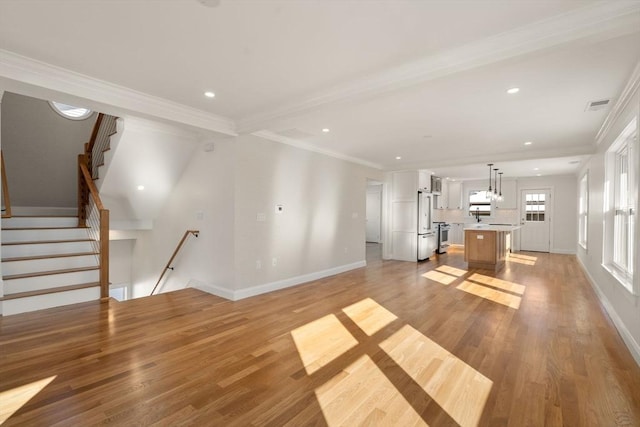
{"x": 500, "y": 198}
{"x": 494, "y": 196}
{"x": 490, "y": 190}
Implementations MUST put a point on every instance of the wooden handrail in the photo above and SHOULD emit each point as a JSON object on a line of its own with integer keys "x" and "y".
{"x": 94, "y": 133}
{"x": 86, "y": 187}
{"x": 168, "y": 266}
{"x": 91, "y": 186}
{"x": 5, "y": 190}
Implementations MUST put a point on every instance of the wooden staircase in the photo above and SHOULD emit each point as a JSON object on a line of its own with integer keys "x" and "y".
{"x": 47, "y": 262}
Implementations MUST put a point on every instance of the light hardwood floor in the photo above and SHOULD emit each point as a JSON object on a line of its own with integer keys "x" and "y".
{"x": 395, "y": 343}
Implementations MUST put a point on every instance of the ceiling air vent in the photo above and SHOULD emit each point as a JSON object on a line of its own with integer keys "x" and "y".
{"x": 597, "y": 105}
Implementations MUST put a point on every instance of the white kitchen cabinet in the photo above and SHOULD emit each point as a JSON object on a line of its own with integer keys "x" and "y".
{"x": 456, "y": 234}
{"x": 442, "y": 199}
{"x": 404, "y": 215}
{"x": 454, "y": 199}
{"x": 510, "y": 195}
{"x": 424, "y": 181}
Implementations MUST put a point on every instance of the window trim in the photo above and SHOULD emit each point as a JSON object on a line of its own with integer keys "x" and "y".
{"x": 583, "y": 211}
{"x": 54, "y": 107}
{"x": 626, "y": 138}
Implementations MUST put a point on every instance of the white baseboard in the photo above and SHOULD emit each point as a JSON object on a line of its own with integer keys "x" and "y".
{"x": 293, "y": 281}
{"x": 211, "y": 289}
{"x": 44, "y": 211}
{"x": 235, "y": 295}
{"x": 563, "y": 251}
{"x": 631, "y": 343}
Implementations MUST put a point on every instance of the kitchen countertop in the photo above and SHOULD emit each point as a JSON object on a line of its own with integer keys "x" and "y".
{"x": 492, "y": 227}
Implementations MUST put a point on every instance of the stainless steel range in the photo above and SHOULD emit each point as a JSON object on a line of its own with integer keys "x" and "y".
{"x": 443, "y": 237}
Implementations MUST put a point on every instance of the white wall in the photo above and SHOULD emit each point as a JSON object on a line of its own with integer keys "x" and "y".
{"x": 321, "y": 230}
{"x": 622, "y": 306}
{"x": 147, "y": 153}
{"x": 205, "y": 190}
{"x": 322, "y": 226}
{"x": 37, "y": 138}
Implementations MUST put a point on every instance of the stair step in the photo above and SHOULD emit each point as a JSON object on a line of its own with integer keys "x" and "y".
{"x": 46, "y": 248}
{"x": 49, "y": 273}
{"x": 49, "y": 291}
{"x": 33, "y": 264}
{"x": 41, "y": 242}
{"x": 40, "y": 221}
{"x": 48, "y": 234}
{"x": 52, "y": 279}
{"x": 50, "y": 299}
{"x": 29, "y": 258}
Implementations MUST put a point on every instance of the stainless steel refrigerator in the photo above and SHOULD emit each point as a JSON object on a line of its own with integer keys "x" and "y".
{"x": 427, "y": 238}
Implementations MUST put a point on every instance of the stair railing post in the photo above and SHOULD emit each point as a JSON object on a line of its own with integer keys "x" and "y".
{"x": 104, "y": 253}
{"x": 82, "y": 199}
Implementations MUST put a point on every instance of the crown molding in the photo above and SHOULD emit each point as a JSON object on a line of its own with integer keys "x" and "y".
{"x": 599, "y": 21}
{"x": 49, "y": 77}
{"x": 272, "y": 136}
{"x": 633, "y": 85}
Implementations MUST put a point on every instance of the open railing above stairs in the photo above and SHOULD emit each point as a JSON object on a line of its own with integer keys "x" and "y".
{"x": 91, "y": 211}
{"x": 104, "y": 127}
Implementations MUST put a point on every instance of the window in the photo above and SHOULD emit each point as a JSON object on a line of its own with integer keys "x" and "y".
{"x": 480, "y": 203}
{"x": 535, "y": 207}
{"x": 70, "y": 112}
{"x": 620, "y": 206}
{"x": 583, "y": 210}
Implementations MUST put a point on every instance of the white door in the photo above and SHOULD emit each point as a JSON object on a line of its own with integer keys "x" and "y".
{"x": 535, "y": 219}
{"x": 374, "y": 206}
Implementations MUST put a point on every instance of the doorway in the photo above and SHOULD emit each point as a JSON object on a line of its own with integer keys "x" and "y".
{"x": 535, "y": 219}
{"x": 373, "y": 232}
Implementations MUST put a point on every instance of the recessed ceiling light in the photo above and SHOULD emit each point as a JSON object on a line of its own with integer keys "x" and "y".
{"x": 528, "y": 143}
{"x": 140, "y": 187}
{"x": 513, "y": 90}
{"x": 325, "y": 130}
{"x": 398, "y": 158}
{"x": 209, "y": 94}
{"x": 536, "y": 169}
{"x": 538, "y": 174}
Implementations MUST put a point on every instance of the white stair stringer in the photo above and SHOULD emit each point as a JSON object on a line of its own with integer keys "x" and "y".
{"x": 47, "y": 262}
{"x": 114, "y": 141}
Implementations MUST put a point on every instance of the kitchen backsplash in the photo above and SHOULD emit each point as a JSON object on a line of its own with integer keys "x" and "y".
{"x": 500, "y": 216}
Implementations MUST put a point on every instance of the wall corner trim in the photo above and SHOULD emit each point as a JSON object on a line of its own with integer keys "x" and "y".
{"x": 628, "y": 339}
{"x": 296, "y": 280}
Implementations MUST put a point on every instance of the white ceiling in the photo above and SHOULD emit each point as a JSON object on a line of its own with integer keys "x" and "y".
{"x": 424, "y": 80}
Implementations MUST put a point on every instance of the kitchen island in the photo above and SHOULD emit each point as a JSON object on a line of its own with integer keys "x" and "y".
{"x": 487, "y": 246}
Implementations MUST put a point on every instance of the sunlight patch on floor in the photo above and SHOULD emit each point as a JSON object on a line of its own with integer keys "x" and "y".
{"x": 16, "y": 398}
{"x": 321, "y": 341}
{"x": 451, "y": 270}
{"x": 369, "y": 315}
{"x": 522, "y": 259}
{"x": 459, "y": 389}
{"x": 491, "y": 294}
{"x": 362, "y": 395}
{"x": 498, "y": 283}
{"x": 439, "y": 277}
